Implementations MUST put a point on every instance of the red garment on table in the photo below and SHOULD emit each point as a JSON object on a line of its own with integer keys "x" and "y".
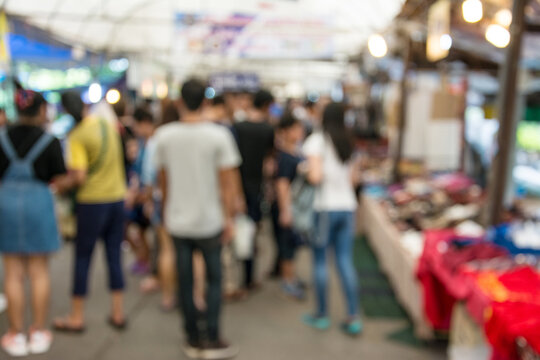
{"x": 517, "y": 317}
{"x": 438, "y": 271}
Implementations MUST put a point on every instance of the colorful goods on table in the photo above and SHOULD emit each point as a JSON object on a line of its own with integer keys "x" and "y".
{"x": 500, "y": 291}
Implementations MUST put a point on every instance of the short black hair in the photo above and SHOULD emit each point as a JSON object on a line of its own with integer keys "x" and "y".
{"x": 142, "y": 115}
{"x": 218, "y": 100}
{"x": 193, "y": 94}
{"x": 287, "y": 121}
{"x": 28, "y": 102}
{"x": 73, "y": 104}
{"x": 262, "y": 99}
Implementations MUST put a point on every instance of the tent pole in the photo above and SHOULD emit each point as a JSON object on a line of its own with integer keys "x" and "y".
{"x": 398, "y": 152}
{"x": 498, "y": 177}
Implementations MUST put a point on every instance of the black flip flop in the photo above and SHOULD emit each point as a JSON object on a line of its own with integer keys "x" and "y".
{"x": 68, "y": 329}
{"x": 117, "y": 326}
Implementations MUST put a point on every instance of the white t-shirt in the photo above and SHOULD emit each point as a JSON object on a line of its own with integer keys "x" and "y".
{"x": 193, "y": 155}
{"x": 335, "y": 193}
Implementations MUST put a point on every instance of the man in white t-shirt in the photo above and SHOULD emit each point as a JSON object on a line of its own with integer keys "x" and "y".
{"x": 198, "y": 162}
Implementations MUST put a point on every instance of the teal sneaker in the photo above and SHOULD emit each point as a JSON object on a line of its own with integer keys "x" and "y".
{"x": 319, "y": 323}
{"x": 352, "y": 328}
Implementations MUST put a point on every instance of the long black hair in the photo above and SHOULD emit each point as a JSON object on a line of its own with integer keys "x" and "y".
{"x": 334, "y": 125}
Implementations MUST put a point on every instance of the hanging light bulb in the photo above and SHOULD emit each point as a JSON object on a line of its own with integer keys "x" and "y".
{"x": 95, "y": 92}
{"x": 445, "y": 42}
{"x": 162, "y": 90}
{"x": 472, "y": 11}
{"x": 503, "y": 17}
{"x": 497, "y": 35}
{"x": 113, "y": 96}
{"x": 377, "y": 46}
{"x": 147, "y": 88}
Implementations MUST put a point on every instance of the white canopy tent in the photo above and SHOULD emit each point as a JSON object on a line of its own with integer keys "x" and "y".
{"x": 183, "y": 36}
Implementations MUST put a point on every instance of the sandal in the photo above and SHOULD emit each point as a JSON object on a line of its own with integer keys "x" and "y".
{"x": 64, "y": 326}
{"x": 120, "y": 326}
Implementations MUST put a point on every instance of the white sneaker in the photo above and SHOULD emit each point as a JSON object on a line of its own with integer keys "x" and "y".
{"x": 40, "y": 342}
{"x": 15, "y": 345}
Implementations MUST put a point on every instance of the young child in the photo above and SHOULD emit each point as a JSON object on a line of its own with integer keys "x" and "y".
{"x": 291, "y": 134}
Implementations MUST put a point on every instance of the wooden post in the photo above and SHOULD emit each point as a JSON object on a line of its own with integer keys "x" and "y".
{"x": 398, "y": 154}
{"x": 502, "y": 163}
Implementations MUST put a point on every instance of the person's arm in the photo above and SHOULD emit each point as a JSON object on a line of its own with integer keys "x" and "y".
{"x": 163, "y": 186}
{"x": 314, "y": 170}
{"x": 227, "y": 186}
{"x": 283, "y": 190}
{"x": 77, "y": 164}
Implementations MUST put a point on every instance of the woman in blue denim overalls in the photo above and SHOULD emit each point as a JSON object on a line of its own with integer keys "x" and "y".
{"x": 29, "y": 160}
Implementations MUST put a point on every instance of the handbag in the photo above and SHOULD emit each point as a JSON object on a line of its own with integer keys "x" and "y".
{"x": 243, "y": 242}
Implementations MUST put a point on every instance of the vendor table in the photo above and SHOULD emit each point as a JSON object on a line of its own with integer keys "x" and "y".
{"x": 397, "y": 262}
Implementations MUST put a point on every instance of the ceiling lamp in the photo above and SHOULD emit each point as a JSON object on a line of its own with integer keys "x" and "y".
{"x": 498, "y": 35}
{"x": 113, "y": 96}
{"x": 503, "y": 17}
{"x": 472, "y": 11}
{"x": 445, "y": 42}
{"x": 377, "y": 46}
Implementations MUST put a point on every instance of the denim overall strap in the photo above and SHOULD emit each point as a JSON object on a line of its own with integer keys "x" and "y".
{"x": 5, "y": 142}
{"x": 38, "y": 148}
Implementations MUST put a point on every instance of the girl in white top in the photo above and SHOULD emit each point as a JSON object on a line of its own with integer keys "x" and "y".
{"x": 329, "y": 155}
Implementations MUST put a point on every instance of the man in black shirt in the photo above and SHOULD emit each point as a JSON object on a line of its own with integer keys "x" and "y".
{"x": 255, "y": 138}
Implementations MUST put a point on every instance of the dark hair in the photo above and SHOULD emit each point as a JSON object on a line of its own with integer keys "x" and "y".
{"x": 120, "y": 108}
{"x": 218, "y": 100}
{"x": 262, "y": 99}
{"x": 142, "y": 115}
{"x": 169, "y": 113}
{"x": 287, "y": 121}
{"x": 28, "y": 102}
{"x": 73, "y": 105}
{"x": 334, "y": 125}
{"x": 193, "y": 94}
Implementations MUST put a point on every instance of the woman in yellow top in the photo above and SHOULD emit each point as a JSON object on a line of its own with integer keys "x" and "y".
{"x": 96, "y": 168}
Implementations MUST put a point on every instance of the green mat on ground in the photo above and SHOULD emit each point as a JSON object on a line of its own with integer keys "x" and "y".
{"x": 376, "y": 295}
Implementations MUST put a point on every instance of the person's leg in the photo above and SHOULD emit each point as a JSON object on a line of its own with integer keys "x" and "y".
{"x": 38, "y": 271}
{"x": 90, "y": 220}
{"x": 320, "y": 270}
{"x": 211, "y": 250}
{"x": 166, "y": 267}
{"x": 184, "y": 266}
{"x": 14, "y": 270}
{"x": 343, "y": 240}
{"x": 199, "y": 278}
{"x": 113, "y": 234}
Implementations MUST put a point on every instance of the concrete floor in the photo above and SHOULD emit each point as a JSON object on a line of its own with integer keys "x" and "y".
{"x": 265, "y": 326}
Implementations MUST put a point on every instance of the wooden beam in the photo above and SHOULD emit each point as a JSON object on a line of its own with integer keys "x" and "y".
{"x": 507, "y": 118}
{"x": 398, "y": 154}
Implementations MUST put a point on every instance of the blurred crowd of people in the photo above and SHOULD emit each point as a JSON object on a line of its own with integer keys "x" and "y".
{"x": 183, "y": 182}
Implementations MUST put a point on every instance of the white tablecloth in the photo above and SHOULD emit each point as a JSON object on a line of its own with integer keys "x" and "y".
{"x": 398, "y": 263}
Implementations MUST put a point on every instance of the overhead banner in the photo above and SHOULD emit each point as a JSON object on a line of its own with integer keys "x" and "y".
{"x": 438, "y": 25}
{"x": 4, "y": 44}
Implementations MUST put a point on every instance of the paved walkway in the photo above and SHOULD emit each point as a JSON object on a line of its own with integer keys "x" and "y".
{"x": 265, "y": 326}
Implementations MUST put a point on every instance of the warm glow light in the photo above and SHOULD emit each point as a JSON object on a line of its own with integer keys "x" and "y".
{"x": 472, "y": 11}
{"x": 498, "y": 35}
{"x": 377, "y": 46}
{"x": 113, "y": 96}
{"x": 147, "y": 88}
{"x": 446, "y": 42}
{"x": 503, "y": 17}
{"x": 95, "y": 92}
{"x": 162, "y": 90}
